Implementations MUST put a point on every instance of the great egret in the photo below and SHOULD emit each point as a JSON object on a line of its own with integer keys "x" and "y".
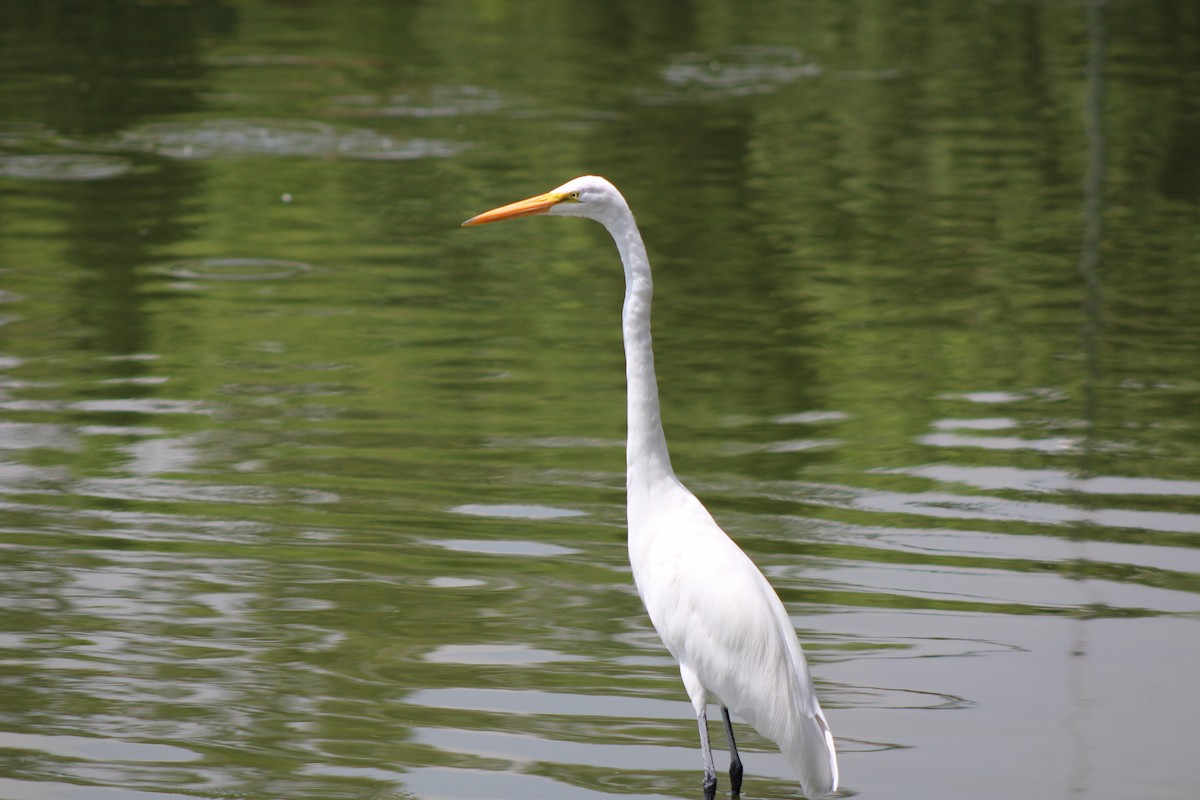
{"x": 711, "y": 605}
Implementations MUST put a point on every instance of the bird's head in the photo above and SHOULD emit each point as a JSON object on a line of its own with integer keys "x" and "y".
{"x": 587, "y": 196}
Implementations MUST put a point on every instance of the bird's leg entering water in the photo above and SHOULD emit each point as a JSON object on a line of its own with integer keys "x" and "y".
{"x": 710, "y": 770}
{"x": 735, "y": 762}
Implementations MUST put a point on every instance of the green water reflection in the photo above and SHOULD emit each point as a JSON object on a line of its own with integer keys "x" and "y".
{"x": 351, "y": 525}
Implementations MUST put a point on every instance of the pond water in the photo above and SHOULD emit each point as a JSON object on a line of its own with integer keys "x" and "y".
{"x": 307, "y": 492}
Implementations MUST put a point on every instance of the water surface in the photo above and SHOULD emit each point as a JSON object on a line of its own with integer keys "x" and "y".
{"x": 306, "y": 492}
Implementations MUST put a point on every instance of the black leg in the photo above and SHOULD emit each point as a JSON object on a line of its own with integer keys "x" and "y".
{"x": 710, "y": 771}
{"x": 735, "y": 762}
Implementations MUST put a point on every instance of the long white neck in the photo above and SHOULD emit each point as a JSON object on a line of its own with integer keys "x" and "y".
{"x": 646, "y": 458}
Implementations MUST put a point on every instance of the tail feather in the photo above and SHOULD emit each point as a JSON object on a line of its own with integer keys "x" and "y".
{"x": 810, "y": 751}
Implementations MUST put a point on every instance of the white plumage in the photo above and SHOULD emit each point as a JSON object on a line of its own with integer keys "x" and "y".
{"x": 712, "y": 607}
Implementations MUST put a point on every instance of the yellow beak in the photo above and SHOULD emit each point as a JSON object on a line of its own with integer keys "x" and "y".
{"x": 522, "y": 208}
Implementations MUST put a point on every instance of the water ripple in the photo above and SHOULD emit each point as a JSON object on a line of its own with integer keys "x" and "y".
{"x": 1053, "y": 480}
{"x": 523, "y": 511}
{"x": 943, "y": 505}
{"x": 435, "y": 101}
{"x": 63, "y": 167}
{"x": 1054, "y": 444}
{"x": 95, "y": 748}
{"x": 14, "y": 789}
{"x": 14, "y": 133}
{"x": 123, "y": 405}
{"x": 503, "y": 547}
{"x": 496, "y": 654}
{"x": 731, "y": 72}
{"x": 224, "y": 138}
{"x": 191, "y": 491}
{"x": 233, "y": 269}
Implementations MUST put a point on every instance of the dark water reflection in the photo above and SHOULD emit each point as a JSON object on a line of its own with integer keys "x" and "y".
{"x": 305, "y": 492}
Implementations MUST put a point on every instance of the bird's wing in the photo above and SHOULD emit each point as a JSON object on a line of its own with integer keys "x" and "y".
{"x": 720, "y": 618}
{"x": 717, "y": 613}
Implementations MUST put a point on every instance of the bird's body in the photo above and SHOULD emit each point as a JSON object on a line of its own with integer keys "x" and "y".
{"x": 712, "y": 607}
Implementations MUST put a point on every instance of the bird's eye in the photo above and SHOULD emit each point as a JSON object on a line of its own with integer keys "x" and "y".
{"x": 574, "y": 196}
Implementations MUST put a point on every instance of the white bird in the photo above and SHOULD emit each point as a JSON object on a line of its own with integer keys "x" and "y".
{"x": 712, "y": 607}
